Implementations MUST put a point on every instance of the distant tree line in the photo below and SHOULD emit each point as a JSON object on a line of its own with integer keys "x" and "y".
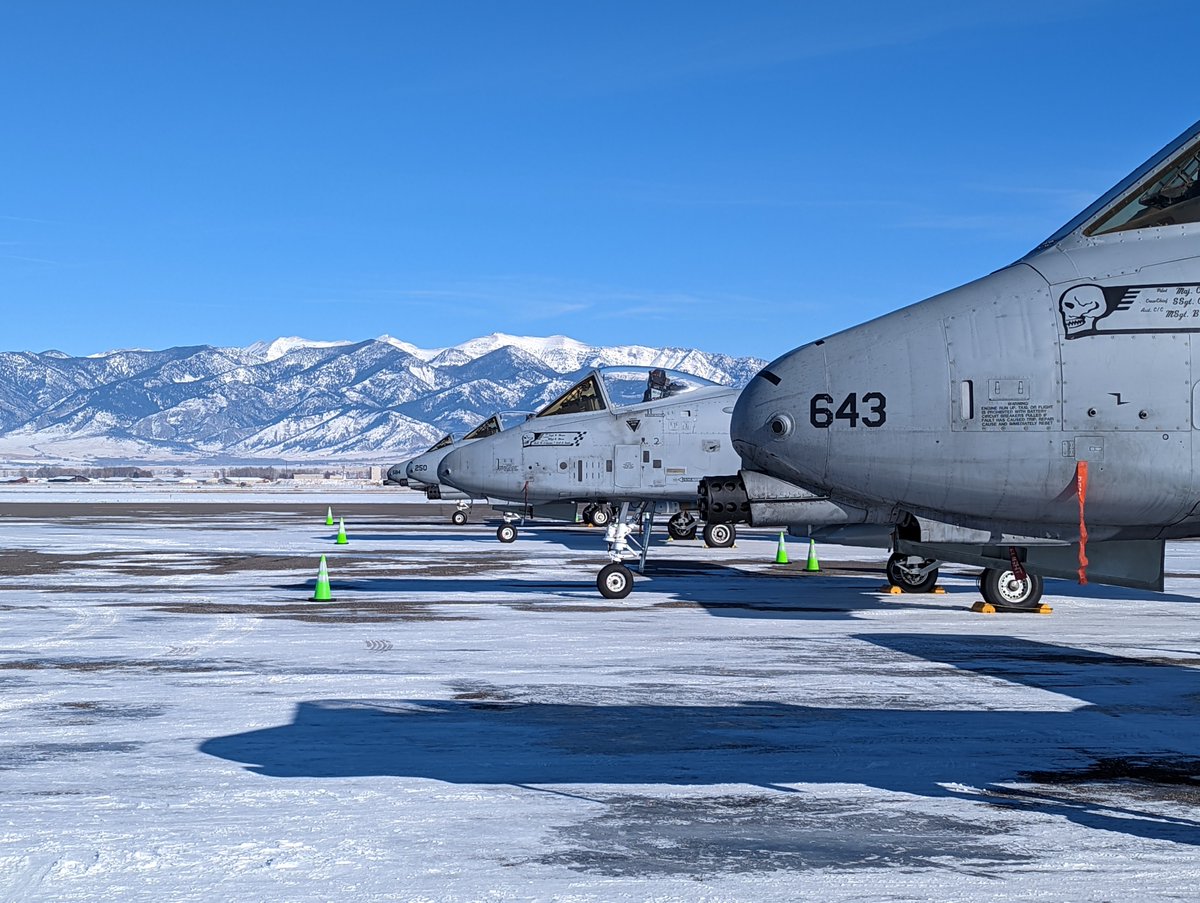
{"x": 93, "y": 473}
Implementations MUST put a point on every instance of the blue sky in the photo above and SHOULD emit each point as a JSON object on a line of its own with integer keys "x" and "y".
{"x": 735, "y": 177}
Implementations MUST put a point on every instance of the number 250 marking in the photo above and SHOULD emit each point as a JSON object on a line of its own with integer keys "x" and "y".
{"x": 821, "y": 414}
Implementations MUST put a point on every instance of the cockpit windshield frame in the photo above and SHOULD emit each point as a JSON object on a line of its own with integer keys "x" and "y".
{"x": 489, "y": 427}
{"x": 1098, "y": 210}
{"x": 617, "y": 388}
{"x": 627, "y": 387}
{"x": 445, "y": 441}
{"x": 1171, "y": 195}
{"x": 585, "y": 397}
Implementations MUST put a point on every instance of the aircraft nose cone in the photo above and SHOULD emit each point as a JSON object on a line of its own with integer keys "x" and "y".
{"x": 447, "y": 468}
{"x": 455, "y": 470}
{"x": 747, "y": 427}
{"x": 771, "y": 427}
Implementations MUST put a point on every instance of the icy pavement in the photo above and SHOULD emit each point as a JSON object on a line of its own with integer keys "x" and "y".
{"x": 472, "y": 721}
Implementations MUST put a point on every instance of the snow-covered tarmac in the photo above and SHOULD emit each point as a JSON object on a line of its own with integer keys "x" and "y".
{"x": 471, "y": 721}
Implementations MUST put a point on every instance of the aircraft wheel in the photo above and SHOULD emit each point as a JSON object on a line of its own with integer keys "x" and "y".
{"x": 459, "y": 517}
{"x": 506, "y": 533}
{"x": 615, "y": 581}
{"x": 1002, "y": 589}
{"x": 719, "y": 536}
{"x": 907, "y": 581}
{"x": 681, "y": 528}
{"x": 588, "y": 511}
{"x": 601, "y": 516}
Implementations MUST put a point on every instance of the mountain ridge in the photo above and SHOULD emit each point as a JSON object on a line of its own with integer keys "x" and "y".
{"x": 294, "y": 399}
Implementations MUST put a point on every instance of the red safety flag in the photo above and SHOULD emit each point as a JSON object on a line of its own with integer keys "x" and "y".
{"x": 1081, "y": 481}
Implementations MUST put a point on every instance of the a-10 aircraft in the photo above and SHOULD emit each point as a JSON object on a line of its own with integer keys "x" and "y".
{"x": 1038, "y": 422}
{"x": 421, "y": 471}
{"x": 636, "y": 437}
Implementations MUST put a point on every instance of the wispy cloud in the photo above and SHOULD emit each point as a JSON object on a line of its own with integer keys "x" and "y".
{"x": 22, "y": 257}
{"x": 533, "y": 299}
{"x": 29, "y": 219}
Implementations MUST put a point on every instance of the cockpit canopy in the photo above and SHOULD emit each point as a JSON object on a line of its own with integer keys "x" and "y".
{"x": 1171, "y": 195}
{"x": 445, "y": 441}
{"x": 620, "y": 387}
{"x": 1163, "y": 191}
{"x": 497, "y": 422}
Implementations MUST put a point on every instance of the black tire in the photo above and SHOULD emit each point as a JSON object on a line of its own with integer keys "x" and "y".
{"x": 1002, "y": 590}
{"x": 601, "y": 516}
{"x": 615, "y": 581}
{"x": 719, "y": 536}
{"x": 506, "y": 533}
{"x": 459, "y": 518}
{"x": 897, "y": 576}
{"x": 587, "y": 513}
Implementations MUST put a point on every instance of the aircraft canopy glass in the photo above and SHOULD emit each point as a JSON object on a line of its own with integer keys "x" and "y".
{"x": 623, "y": 386}
{"x": 489, "y": 427}
{"x": 512, "y": 418}
{"x": 1159, "y": 192}
{"x": 581, "y": 398}
{"x": 1171, "y": 195}
{"x": 441, "y": 443}
{"x": 638, "y": 385}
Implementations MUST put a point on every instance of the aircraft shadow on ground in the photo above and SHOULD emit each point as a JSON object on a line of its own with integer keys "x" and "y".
{"x": 932, "y": 752}
{"x": 722, "y": 591}
{"x": 1071, "y": 589}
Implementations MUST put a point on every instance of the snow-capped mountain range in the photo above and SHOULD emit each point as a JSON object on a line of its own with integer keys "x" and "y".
{"x": 294, "y": 399}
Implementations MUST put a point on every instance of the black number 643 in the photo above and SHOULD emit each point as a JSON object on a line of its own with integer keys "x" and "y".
{"x": 821, "y": 413}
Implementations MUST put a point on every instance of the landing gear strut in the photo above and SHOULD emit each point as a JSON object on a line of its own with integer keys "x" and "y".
{"x": 912, "y": 573}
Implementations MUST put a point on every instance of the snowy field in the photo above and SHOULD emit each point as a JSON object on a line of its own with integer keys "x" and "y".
{"x": 469, "y": 721}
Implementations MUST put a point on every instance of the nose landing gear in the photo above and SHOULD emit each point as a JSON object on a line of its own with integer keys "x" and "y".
{"x": 615, "y": 580}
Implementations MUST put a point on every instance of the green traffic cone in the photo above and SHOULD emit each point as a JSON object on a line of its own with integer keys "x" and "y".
{"x": 341, "y": 537}
{"x": 321, "y": 593}
{"x": 329, "y": 516}
{"x": 812, "y": 564}
{"x": 781, "y": 552}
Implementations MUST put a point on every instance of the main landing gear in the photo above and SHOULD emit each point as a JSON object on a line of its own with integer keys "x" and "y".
{"x": 682, "y": 526}
{"x": 599, "y": 515}
{"x": 719, "y": 536}
{"x": 1004, "y": 588}
{"x": 911, "y": 573}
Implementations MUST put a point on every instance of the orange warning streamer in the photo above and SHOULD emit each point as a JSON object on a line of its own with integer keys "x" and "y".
{"x": 1081, "y": 481}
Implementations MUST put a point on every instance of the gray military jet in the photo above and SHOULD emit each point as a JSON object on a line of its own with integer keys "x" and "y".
{"x": 1038, "y": 422}
{"x": 421, "y": 471}
{"x": 635, "y": 437}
